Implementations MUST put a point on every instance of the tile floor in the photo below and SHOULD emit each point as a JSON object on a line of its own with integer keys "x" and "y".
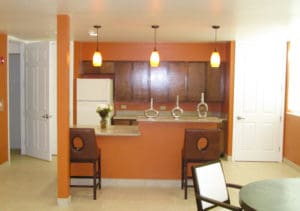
{"x": 29, "y": 184}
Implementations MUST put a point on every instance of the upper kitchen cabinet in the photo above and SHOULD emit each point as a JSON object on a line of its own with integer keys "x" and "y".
{"x": 195, "y": 80}
{"x": 140, "y": 81}
{"x": 177, "y": 72}
{"x": 86, "y": 67}
{"x": 123, "y": 78}
{"x": 215, "y": 83}
{"x": 159, "y": 82}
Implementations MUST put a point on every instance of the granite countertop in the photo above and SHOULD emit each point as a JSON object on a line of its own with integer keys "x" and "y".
{"x": 165, "y": 116}
{"x": 114, "y": 130}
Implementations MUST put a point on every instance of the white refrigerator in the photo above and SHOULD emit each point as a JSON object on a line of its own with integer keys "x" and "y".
{"x": 91, "y": 93}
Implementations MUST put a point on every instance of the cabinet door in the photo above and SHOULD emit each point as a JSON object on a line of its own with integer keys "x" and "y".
{"x": 215, "y": 84}
{"x": 140, "y": 82}
{"x": 195, "y": 81}
{"x": 159, "y": 82}
{"x": 123, "y": 89}
{"x": 86, "y": 67}
{"x": 177, "y": 72}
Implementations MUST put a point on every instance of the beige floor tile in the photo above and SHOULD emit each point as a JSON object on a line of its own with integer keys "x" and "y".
{"x": 29, "y": 184}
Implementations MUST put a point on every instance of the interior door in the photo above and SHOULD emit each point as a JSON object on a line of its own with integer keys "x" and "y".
{"x": 259, "y": 101}
{"x": 37, "y": 100}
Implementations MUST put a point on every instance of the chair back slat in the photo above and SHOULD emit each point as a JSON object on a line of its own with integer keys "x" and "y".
{"x": 83, "y": 146}
{"x": 195, "y": 146}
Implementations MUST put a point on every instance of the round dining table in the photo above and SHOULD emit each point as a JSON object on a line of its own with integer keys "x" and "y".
{"x": 271, "y": 195}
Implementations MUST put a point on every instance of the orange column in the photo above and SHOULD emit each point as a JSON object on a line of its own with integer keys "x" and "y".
{"x": 63, "y": 66}
{"x": 3, "y": 100}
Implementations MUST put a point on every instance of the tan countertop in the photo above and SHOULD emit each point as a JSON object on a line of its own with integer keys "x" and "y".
{"x": 114, "y": 130}
{"x": 165, "y": 116}
{"x": 181, "y": 119}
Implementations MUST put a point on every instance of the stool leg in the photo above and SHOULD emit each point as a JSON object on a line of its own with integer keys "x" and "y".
{"x": 94, "y": 180}
{"x": 185, "y": 179}
{"x": 182, "y": 169}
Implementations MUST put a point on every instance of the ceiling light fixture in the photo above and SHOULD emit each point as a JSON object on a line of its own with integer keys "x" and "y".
{"x": 215, "y": 58}
{"x": 154, "y": 58}
{"x": 97, "y": 57}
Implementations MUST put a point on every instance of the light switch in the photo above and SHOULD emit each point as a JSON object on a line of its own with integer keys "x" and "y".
{"x": 123, "y": 106}
{"x": 1, "y": 105}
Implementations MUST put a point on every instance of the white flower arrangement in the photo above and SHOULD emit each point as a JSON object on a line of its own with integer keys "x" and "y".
{"x": 104, "y": 109}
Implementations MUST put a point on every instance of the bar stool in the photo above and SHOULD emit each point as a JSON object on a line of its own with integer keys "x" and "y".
{"x": 200, "y": 146}
{"x": 83, "y": 149}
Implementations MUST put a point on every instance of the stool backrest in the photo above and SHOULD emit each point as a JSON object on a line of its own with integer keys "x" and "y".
{"x": 202, "y": 144}
{"x": 83, "y": 146}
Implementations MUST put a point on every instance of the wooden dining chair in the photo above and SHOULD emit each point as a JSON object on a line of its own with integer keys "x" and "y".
{"x": 200, "y": 146}
{"x": 210, "y": 186}
{"x": 83, "y": 149}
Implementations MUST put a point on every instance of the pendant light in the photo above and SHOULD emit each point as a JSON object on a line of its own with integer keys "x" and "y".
{"x": 97, "y": 57}
{"x": 154, "y": 58}
{"x": 215, "y": 58}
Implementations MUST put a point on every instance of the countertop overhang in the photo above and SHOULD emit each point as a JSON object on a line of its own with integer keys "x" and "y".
{"x": 114, "y": 130}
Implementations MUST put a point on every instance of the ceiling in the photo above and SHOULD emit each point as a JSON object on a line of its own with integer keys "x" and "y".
{"x": 131, "y": 20}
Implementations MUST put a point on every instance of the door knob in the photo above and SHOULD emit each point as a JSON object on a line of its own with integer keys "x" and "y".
{"x": 47, "y": 116}
{"x": 240, "y": 118}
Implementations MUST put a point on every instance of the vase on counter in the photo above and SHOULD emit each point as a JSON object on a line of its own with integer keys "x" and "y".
{"x": 103, "y": 123}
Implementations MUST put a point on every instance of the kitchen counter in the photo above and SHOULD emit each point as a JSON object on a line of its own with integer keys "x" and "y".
{"x": 181, "y": 119}
{"x": 115, "y": 130}
{"x": 165, "y": 116}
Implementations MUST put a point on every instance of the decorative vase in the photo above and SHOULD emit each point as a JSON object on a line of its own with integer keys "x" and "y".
{"x": 103, "y": 123}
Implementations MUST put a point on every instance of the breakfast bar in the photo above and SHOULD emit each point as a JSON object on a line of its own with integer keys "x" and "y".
{"x": 149, "y": 150}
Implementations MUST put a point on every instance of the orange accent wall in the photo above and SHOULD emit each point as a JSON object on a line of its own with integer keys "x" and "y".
{"x": 292, "y": 138}
{"x": 140, "y": 51}
{"x": 3, "y": 96}
{"x": 153, "y": 155}
{"x": 63, "y": 66}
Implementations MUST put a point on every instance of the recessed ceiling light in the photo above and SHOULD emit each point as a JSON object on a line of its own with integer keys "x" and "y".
{"x": 92, "y": 33}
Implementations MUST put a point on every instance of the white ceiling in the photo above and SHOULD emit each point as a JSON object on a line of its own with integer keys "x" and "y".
{"x": 131, "y": 20}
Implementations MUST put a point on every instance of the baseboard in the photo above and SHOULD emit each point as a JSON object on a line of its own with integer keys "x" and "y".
{"x": 291, "y": 164}
{"x": 129, "y": 182}
{"x": 64, "y": 202}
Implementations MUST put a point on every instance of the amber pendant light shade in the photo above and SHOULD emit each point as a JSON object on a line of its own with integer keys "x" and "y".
{"x": 215, "y": 58}
{"x": 97, "y": 57}
{"x": 154, "y": 58}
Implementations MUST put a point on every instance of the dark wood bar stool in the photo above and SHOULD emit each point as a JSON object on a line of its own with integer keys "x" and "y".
{"x": 83, "y": 149}
{"x": 200, "y": 146}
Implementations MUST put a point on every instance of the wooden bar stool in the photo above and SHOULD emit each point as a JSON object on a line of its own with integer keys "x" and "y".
{"x": 83, "y": 149}
{"x": 200, "y": 146}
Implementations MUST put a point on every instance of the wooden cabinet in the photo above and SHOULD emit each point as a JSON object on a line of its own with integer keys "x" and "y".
{"x": 123, "y": 88}
{"x": 215, "y": 84}
{"x": 159, "y": 82}
{"x": 86, "y": 67}
{"x": 140, "y": 81}
{"x": 177, "y": 81}
{"x": 195, "y": 81}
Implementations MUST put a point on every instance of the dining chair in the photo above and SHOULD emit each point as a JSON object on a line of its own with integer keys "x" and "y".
{"x": 200, "y": 146}
{"x": 211, "y": 188}
{"x": 83, "y": 149}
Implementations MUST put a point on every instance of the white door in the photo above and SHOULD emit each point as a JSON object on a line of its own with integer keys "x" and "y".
{"x": 259, "y": 101}
{"x": 37, "y": 100}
